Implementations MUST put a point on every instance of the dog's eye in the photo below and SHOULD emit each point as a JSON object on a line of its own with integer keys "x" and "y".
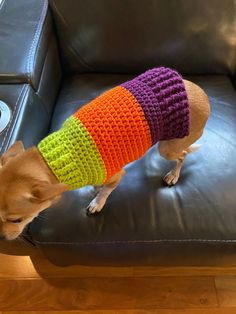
{"x": 16, "y": 221}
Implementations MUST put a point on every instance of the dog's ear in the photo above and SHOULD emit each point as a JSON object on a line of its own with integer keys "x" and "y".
{"x": 45, "y": 191}
{"x": 12, "y": 152}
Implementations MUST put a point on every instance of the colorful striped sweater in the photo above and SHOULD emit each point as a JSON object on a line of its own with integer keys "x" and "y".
{"x": 118, "y": 127}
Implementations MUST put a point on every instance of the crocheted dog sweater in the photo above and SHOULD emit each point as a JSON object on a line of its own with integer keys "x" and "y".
{"x": 118, "y": 127}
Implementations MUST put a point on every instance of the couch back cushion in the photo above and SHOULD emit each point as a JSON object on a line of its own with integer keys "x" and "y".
{"x": 128, "y": 36}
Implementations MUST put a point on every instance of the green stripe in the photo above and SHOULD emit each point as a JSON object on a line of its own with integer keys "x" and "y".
{"x": 73, "y": 156}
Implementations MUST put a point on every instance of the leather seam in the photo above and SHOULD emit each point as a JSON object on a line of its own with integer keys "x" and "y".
{"x": 46, "y": 50}
{"x": 71, "y": 48}
{"x": 13, "y": 114}
{"x": 42, "y": 73}
{"x": 35, "y": 39}
{"x": 140, "y": 241}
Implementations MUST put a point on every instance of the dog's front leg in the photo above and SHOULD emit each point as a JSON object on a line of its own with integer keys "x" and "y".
{"x": 99, "y": 201}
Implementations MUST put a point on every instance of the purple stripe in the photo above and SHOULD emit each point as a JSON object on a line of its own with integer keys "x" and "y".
{"x": 163, "y": 99}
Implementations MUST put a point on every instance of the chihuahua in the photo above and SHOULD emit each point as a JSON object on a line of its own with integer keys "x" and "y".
{"x": 28, "y": 185}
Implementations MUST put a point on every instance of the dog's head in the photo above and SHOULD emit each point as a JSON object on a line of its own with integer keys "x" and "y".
{"x": 26, "y": 189}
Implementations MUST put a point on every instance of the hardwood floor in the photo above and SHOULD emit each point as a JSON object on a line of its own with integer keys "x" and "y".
{"x": 38, "y": 287}
{"x": 157, "y": 311}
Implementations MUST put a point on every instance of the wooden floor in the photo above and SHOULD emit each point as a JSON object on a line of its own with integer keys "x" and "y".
{"x": 38, "y": 287}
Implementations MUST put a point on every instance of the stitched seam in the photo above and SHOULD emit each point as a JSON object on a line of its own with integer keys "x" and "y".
{"x": 142, "y": 241}
{"x": 12, "y": 116}
{"x": 37, "y": 48}
{"x": 45, "y": 107}
{"x": 72, "y": 49}
{"x": 35, "y": 38}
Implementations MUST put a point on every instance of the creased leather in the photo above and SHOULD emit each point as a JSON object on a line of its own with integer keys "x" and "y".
{"x": 29, "y": 119}
{"x": 194, "y": 37}
{"x": 145, "y": 222}
{"x": 25, "y": 28}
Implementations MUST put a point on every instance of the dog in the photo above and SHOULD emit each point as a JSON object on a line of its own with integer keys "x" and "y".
{"x": 28, "y": 185}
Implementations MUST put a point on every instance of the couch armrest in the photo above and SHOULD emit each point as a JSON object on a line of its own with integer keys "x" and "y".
{"x": 24, "y": 39}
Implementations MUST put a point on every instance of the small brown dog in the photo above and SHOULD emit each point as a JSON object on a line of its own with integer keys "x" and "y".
{"x": 27, "y": 185}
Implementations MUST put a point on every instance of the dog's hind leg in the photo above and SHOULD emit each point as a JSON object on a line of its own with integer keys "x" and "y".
{"x": 177, "y": 149}
{"x": 172, "y": 176}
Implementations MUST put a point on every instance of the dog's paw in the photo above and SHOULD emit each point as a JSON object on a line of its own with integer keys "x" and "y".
{"x": 95, "y": 206}
{"x": 171, "y": 178}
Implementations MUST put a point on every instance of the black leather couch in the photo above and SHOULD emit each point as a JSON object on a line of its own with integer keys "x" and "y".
{"x": 56, "y": 57}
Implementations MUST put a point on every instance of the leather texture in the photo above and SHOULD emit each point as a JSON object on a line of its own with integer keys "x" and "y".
{"x": 18, "y": 247}
{"x": 26, "y": 27}
{"x": 145, "y": 222}
{"x": 194, "y": 37}
{"x": 51, "y": 76}
{"x": 30, "y": 70}
{"x": 27, "y": 113}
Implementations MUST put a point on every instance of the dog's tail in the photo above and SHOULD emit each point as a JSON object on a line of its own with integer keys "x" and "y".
{"x": 193, "y": 148}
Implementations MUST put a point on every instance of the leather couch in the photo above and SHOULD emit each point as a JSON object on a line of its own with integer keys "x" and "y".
{"x": 56, "y": 57}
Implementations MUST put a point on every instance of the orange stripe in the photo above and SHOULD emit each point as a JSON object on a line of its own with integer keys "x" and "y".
{"x": 118, "y": 127}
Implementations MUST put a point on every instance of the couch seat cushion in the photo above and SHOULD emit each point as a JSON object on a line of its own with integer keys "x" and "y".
{"x": 145, "y": 222}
